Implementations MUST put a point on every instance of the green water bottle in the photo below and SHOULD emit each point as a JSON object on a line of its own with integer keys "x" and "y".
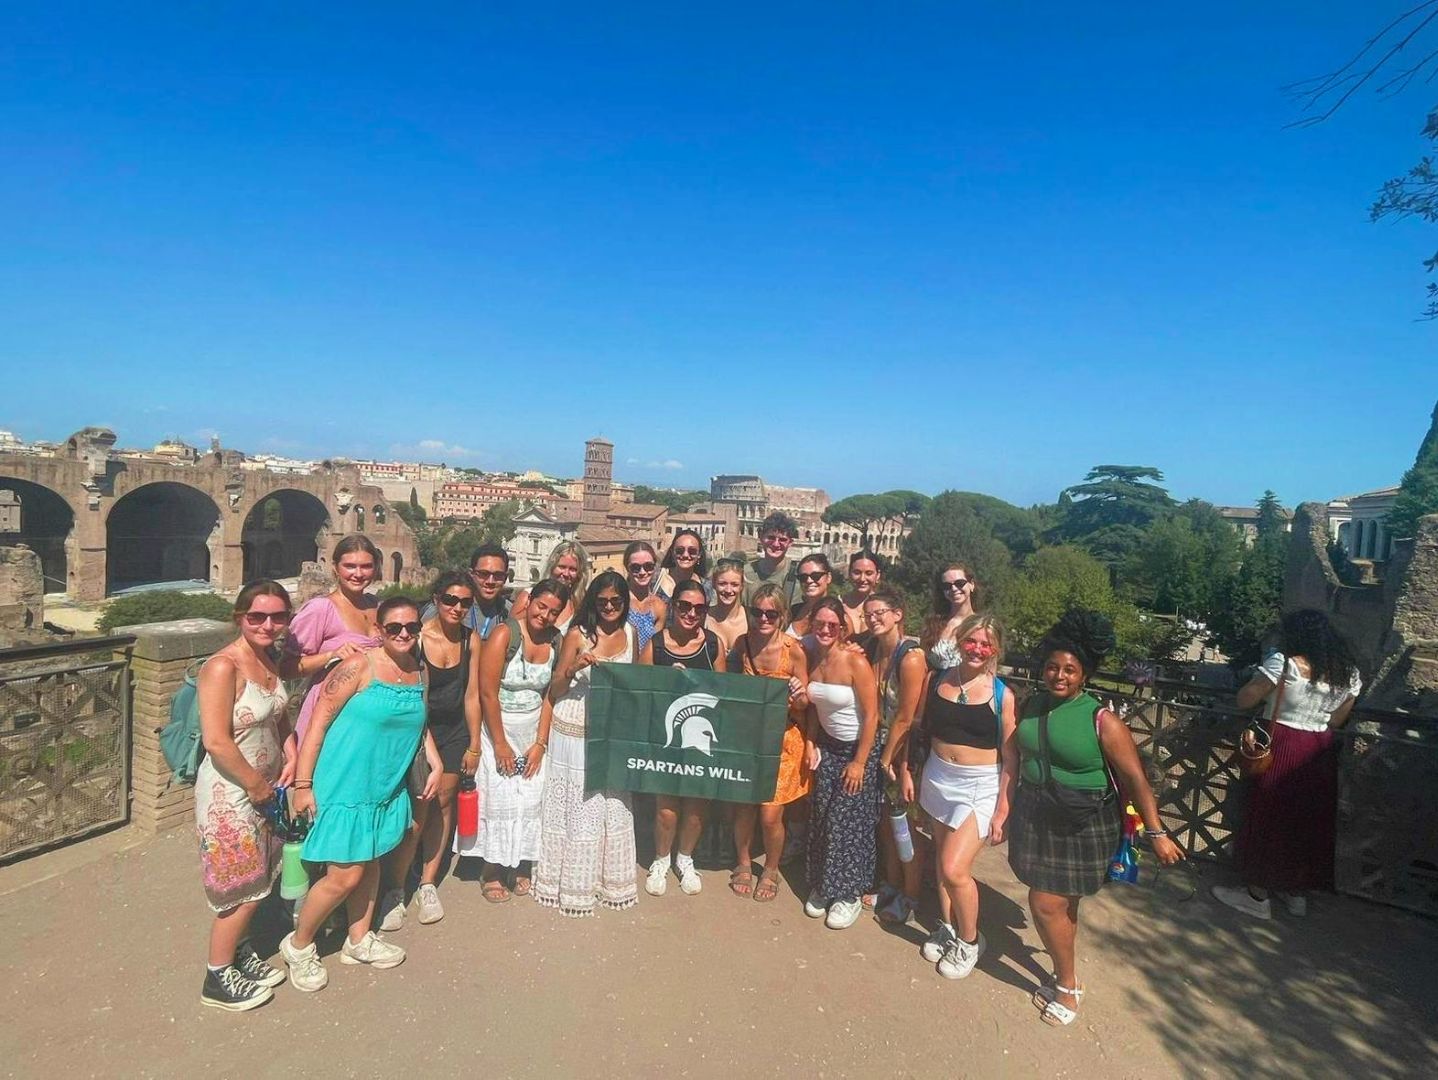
{"x": 294, "y": 879}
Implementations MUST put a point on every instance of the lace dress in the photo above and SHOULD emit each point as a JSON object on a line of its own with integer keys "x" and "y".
{"x": 239, "y": 855}
{"x": 586, "y": 853}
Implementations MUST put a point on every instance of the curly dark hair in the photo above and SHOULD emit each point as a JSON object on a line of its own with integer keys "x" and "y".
{"x": 1309, "y": 634}
{"x": 1086, "y": 633}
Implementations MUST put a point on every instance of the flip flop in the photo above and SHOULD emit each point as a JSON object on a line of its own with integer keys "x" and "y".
{"x": 741, "y": 882}
{"x": 768, "y": 887}
{"x": 494, "y": 891}
{"x": 522, "y": 886}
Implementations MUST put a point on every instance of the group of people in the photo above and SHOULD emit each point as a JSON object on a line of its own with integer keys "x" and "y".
{"x": 408, "y": 701}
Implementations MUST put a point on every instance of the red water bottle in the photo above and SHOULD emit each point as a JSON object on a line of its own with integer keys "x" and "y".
{"x": 468, "y": 802}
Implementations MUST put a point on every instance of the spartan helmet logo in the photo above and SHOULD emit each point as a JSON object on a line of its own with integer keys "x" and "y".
{"x": 687, "y": 726}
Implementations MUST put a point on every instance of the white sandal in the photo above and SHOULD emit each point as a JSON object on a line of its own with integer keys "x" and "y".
{"x": 1056, "y": 1013}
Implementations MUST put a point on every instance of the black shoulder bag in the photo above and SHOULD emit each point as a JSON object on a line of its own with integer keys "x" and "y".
{"x": 1066, "y": 810}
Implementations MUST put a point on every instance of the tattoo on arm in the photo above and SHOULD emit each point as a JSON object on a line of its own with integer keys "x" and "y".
{"x": 341, "y": 679}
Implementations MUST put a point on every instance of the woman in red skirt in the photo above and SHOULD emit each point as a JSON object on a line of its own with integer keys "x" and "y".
{"x": 1285, "y": 845}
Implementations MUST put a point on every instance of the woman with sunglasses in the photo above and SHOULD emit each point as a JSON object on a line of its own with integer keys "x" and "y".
{"x": 844, "y": 755}
{"x": 684, "y": 642}
{"x": 953, "y": 602}
{"x": 515, "y": 666}
{"x": 899, "y": 669}
{"x": 646, "y": 609}
{"x": 815, "y": 576}
{"x": 765, "y": 649}
{"x": 968, "y": 783}
{"x": 586, "y": 848}
{"x": 450, "y": 652}
{"x": 686, "y": 560}
{"x": 248, "y": 751}
{"x": 726, "y": 609}
{"x": 333, "y": 627}
{"x": 354, "y": 763}
{"x": 569, "y": 565}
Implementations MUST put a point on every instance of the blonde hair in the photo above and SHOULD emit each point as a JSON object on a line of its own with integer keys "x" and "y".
{"x": 776, "y": 593}
{"x": 575, "y": 548}
{"x": 981, "y": 621}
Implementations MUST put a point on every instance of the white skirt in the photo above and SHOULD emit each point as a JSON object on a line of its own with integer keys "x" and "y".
{"x": 509, "y": 806}
{"x": 949, "y": 793}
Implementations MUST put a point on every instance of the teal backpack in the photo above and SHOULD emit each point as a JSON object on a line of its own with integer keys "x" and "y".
{"x": 180, "y": 738}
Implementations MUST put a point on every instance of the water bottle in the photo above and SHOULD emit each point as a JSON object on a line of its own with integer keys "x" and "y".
{"x": 294, "y": 879}
{"x": 468, "y": 813}
{"x": 899, "y": 823}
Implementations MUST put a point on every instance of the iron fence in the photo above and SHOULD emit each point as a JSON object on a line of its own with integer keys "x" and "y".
{"x": 64, "y": 742}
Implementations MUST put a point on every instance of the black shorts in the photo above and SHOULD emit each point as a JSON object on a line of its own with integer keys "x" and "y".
{"x": 451, "y": 740}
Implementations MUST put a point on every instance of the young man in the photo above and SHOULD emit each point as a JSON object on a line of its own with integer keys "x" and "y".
{"x": 776, "y": 534}
{"x": 489, "y": 570}
{"x": 865, "y": 573}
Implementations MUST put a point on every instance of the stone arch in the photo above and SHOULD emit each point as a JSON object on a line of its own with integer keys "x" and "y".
{"x": 359, "y": 518}
{"x": 282, "y": 531}
{"x": 397, "y": 563}
{"x": 379, "y": 514}
{"x": 159, "y": 532}
{"x": 378, "y": 563}
{"x": 47, "y": 527}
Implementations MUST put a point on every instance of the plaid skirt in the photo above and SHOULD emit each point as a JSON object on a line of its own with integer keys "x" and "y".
{"x": 1066, "y": 865}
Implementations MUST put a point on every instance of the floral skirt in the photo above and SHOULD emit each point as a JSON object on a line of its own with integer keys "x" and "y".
{"x": 842, "y": 828}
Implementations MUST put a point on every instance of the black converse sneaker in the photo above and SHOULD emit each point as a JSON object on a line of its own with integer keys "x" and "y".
{"x": 229, "y": 989}
{"x": 254, "y": 968}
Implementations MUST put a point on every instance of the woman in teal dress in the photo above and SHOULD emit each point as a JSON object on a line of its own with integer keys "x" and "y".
{"x": 353, "y": 766}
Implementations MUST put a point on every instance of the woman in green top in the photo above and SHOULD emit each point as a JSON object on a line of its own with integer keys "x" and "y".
{"x": 1061, "y": 855}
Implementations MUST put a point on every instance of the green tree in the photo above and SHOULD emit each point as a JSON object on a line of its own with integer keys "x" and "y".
{"x": 1184, "y": 562}
{"x": 1021, "y": 529}
{"x": 1107, "y": 513}
{"x": 870, "y": 513}
{"x": 161, "y": 606}
{"x": 678, "y": 502}
{"x": 1054, "y": 579}
{"x": 411, "y": 513}
{"x": 1248, "y": 607}
{"x": 948, "y": 531}
{"x": 1418, "y": 493}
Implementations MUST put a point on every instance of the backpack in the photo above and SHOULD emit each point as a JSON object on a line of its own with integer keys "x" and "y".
{"x": 180, "y": 738}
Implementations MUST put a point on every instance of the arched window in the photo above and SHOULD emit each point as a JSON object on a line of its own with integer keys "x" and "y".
{"x": 359, "y": 518}
{"x": 379, "y": 514}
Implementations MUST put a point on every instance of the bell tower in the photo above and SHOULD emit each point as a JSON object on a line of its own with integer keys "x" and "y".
{"x": 598, "y": 480}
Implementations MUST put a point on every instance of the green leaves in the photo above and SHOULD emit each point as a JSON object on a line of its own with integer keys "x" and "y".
{"x": 1418, "y": 493}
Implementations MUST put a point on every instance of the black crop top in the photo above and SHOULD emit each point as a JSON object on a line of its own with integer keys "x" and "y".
{"x": 960, "y": 724}
{"x": 701, "y": 659}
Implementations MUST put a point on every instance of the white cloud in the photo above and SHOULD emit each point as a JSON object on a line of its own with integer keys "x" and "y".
{"x": 668, "y": 463}
{"x": 436, "y": 450}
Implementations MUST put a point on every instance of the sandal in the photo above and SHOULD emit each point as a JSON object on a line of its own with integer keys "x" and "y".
{"x": 522, "y": 886}
{"x": 494, "y": 891}
{"x": 768, "y": 887}
{"x": 1056, "y": 1013}
{"x": 741, "y": 882}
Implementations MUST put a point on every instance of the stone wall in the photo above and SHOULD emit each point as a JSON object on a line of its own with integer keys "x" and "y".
{"x": 22, "y": 592}
{"x": 1408, "y": 676}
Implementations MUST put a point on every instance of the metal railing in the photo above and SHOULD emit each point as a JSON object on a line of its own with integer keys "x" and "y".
{"x": 64, "y": 742}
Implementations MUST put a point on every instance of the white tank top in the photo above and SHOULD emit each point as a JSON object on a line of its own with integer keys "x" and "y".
{"x": 838, "y": 710}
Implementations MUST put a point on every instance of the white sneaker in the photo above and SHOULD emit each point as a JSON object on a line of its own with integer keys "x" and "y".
{"x": 372, "y": 950}
{"x": 816, "y": 907}
{"x": 1240, "y": 899}
{"x": 1296, "y": 904}
{"x": 658, "y": 879}
{"x": 960, "y": 957}
{"x": 689, "y": 880}
{"x": 844, "y": 914}
{"x": 935, "y": 944}
{"x": 306, "y": 971}
{"x": 391, "y": 911}
{"x": 430, "y": 909}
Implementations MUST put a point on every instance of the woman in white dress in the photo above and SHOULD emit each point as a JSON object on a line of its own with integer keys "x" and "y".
{"x": 586, "y": 851}
{"x": 515, "y": 666}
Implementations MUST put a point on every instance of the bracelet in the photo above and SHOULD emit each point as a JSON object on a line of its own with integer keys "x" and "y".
{"x": 1151, "y": 833}
{"x": 299, "y": 784}
{"x": 471, "y": 753}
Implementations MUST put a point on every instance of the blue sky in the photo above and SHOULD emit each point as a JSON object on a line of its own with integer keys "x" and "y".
{"x": 959, "y": 245}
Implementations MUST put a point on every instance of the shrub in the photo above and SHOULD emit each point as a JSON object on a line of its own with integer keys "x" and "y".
{"x": 147, "y": 607}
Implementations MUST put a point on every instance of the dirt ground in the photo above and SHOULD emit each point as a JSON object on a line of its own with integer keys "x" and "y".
{"x": 102, "y": 947}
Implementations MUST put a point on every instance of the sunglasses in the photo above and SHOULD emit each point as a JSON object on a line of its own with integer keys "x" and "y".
{"x": 690, "y": 607}
{"x": 641, "y": 568}
{"x": 813, "y": 576}
{"x": 686, "y": 551}
{"x": 777, "y": 538}
{"x": 395, "y": 629}
{"x": 764, "y": 614}
{"x": 956, "y": 584}
{"x": 827, "y": 627}
{"x": 259, "y": 618}
{"x": 450, "y": 600}
{"x": 609, "y": 603}
{"x": 487, "y": 575}
{"x": 874, "y": 613}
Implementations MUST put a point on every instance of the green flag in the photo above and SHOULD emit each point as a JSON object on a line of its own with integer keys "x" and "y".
{"x": 673, "y": 731}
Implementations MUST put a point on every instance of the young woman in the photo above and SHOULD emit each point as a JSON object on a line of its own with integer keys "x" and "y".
{"x": 726, "y": 610}
{"x": 334, "y": 627}
{"x": 450, "y": 651}
{"x": 1060, "y": 848}
{"x": 865, "y": 574}
{"x": 515, "y": 666}
{"x": 568, "y": 564}
{"x": 684, "y": 642}
{"x": 586, "y": 848}
{"x": 248, "y": 751}
{"x": 352, "y": 776}
{"x": 815, "y": 576}
{"x": 899, "y": 670}
{"x": 953, "y": 602}
{"x": 969, "y": 778}
{"x": 844, "y": 754}
{"x": 765, "y": 649}
{"x": 1285, "y": 845}
{"x": 686, "y": 560}
{"x": 646, "y": 609}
